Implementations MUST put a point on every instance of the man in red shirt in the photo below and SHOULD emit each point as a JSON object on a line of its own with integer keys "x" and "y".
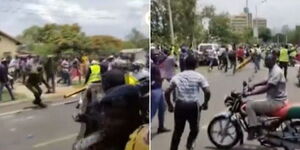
{"x": 240, "y": 54}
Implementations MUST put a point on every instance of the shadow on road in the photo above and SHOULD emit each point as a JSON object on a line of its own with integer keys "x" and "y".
{"x": 244, "y": 147}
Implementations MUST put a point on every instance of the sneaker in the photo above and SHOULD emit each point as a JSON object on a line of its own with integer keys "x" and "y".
{"x": 162, "y": 130}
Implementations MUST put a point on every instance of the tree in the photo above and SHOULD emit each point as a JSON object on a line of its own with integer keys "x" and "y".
{"x": 208, "y": 12}
{"x": 220, "y": 27}
{"x": 186, "y": 27}
{"x": 265, "y": 34}
{"x": 137, "y": 39}
{"x": 105, "y": 42}
{"x": 58, "y": 37}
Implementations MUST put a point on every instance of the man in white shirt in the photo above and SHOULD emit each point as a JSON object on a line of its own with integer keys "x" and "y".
{"x": 192, "y": 95}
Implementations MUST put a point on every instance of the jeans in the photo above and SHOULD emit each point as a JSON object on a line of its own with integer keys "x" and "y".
{"x": 233, "y": 66}
{"x": 211, "y": 63}
{"x": 256, "y": 65}
{"x": 66, "y": 77}
{"x": 2, "y": 85}
{"x": 158, "y": 104}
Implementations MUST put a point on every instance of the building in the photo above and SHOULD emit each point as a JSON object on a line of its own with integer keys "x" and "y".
{"x": 241, "y": 22}
{"x": 8, "y": 45}
{"x": 260, "y": 22}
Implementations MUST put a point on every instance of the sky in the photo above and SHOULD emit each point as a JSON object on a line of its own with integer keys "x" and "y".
{"x": 277, "y": 12}
{"x": 96, "y": 17}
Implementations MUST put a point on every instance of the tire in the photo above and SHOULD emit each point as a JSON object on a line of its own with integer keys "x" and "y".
{"x": 235, "y": 140}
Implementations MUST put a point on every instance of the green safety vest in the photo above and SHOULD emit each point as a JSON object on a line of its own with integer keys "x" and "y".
{"x": 95, "y": 73}
{"x": 284, "y": 56}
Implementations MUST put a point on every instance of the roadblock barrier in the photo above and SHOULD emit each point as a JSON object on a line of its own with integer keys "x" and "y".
{"x": 243, "y": 64}
{"x": 75, "y": 92}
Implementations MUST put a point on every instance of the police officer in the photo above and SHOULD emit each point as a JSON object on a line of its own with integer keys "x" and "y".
{"x": 284, "y": 59}
{"x": 94, "y": 73}
{"x": 292, "y": 54}
{"x": 35, "y": 77}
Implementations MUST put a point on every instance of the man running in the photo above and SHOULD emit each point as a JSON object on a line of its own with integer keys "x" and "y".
{"x": 192, "y": 95}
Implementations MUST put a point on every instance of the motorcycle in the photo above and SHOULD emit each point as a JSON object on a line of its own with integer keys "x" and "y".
{"x": 280, "y": 129}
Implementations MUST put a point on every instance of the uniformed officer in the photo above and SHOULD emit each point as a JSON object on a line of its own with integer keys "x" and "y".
{"x": 34, "y": 79}
{"x": 284, "y": 59}
{"x": 94, "y": 73}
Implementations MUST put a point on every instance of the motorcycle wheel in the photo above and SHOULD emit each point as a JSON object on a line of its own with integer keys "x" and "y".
{"x": 225, "y": 129}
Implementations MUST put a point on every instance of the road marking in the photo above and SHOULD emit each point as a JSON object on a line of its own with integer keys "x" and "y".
{"x": 55, "y": 140}
{"x": 11, "y": 112}
{"x": 29, "y": 109}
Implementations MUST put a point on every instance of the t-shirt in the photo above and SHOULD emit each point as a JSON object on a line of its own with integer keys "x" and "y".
{"x": 211, "y": 53}
{"x": 156, "y": 81}
{"x": 167, "y": 68}
{"x": 277, "y": 79}
{"x": 189, "y": 86}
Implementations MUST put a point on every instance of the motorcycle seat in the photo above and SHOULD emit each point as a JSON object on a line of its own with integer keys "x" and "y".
{"x": 282, "y": 112}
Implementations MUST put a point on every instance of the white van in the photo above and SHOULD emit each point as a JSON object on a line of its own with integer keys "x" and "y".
{"x": 202, "y": 51}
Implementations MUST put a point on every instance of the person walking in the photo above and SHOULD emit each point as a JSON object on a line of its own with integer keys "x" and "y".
{"x": 232, "y": 59}
{"x": 224, "y": 60}
{"x": 157, "y": 98}
{"x": 35, "y": 78}
{"x": 255, "y": 56}
{"x": 4, "y": 81}
{"x": 192, "y": 96}
{"x": 168, "y": 66}
{"x": 75, "y": 70}
{"x": 183, "y": 55}
{"x": 284, "y": 60}
{"x": 212, "y": 56}
{"x": 50, "y": 72}
{"x": 66, "y": 71}
{"x": 240, "y": 53}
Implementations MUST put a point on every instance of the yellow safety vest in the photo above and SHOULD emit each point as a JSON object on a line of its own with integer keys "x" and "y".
{"x": 130, "y": 79}
{"x": 137, "y": 141}
{"x": 284, "y": 56}
{"x": 293, "y": 53}
{"x": 95, "y": 73}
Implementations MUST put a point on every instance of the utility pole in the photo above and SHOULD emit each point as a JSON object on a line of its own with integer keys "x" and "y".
{"x": 171, "y": 22}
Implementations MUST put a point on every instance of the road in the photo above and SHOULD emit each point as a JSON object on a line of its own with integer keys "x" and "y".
{"x": 220, "y": 85}
{"x": 24, "y": 128}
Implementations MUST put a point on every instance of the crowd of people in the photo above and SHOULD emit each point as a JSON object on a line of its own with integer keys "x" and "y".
{"x": 185, "y": 86}
{"x": 32, "y": 70}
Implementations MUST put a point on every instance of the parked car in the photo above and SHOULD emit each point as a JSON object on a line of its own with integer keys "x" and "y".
{"x": 202, "y": 54}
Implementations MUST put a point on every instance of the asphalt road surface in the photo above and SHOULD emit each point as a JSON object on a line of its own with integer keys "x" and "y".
{"x": 26, "y": 128}
{"x": 220, "y": 85}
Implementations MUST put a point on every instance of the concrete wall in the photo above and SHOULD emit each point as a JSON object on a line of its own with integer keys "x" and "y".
{"x": 7, "y": 46}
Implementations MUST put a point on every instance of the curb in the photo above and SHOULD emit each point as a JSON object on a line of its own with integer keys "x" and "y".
{"x": 44, "y": 99}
